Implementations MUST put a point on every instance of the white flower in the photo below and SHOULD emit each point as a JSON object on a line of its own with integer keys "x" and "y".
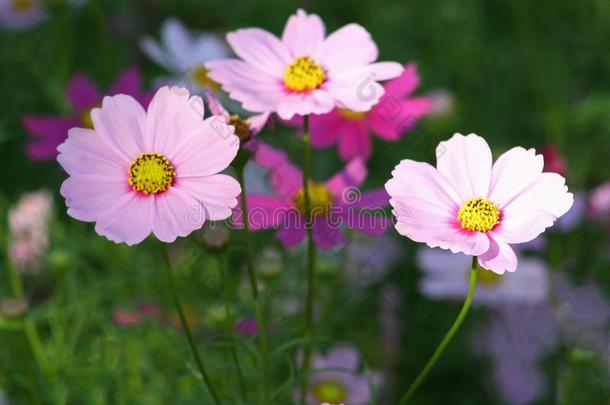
{"x": 21, "y": 14}
{"x": 446, "y": 277}
{"x": 183, "y": 52}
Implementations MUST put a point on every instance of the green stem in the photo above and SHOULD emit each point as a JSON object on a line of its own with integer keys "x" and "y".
{"x": 230, "y": 323}
{"x": 185, "y": 326}
{"x": 311, "y": 262}
{"x": 28, "y": 325}
{"x": 447, "y": 339}
{"x": 258, "y": 308}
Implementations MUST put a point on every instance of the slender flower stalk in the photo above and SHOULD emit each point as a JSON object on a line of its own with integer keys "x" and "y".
{"x": 258, "y": 308}
{"x": 311, "y": 259}
{"x": 185, "y": 326}
{"x": 230, "y": 322}
{"x": 447, "y": 339}
{"x": 28, "y": 325}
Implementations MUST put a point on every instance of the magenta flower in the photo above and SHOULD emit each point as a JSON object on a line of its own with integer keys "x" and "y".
{"x": 467, "y": 205}
{"x": 155, "y": 171}
{"x": 48, "y": 132}
{"x": 335, "y": 203}
{"x": 395, "y": 114}
{"x": 335, "y": 379}
{"x": 305, "y": 71}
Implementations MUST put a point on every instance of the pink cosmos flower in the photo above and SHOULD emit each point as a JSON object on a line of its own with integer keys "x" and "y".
{"x": 467, "y": 205}
{"x": 335, "y": 203}
{"x": 395, "y": 114}
{"x": 246, "y": 129}
{"x": 338, "y": 381}
{"x": 48, "y": 132}
{"x": 304, "y": 72}
{"x": 138, "y": 171}
{"x": 124, "y": 318}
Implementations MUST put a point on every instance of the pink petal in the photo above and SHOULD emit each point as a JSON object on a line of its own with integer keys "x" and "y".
{"x": 49, "y": 133}
{"x": 257, "y": 90}
{"x": 83, "y": 93}
{"x": 378, "y": 71}
{"x": 291, "y": 236}
{"x": 346, "y": 48}
{"x": 88, "y": 195}
{"x": 257, "y": 122}
{"x": 217, "y": 194}
{"x": 425, "y": 205}
{"x": 326, "y": 236}
{"x": 128, "y": 220}
{"x": 129, "y": 82}
{"x": 323, "y": 129}
{"x": 316, "y": 102}
{"x": 303, "y": 34}
{"x": 261, "y": 49}
{"x": 404, "y": 84}
{"x": 121, "y": 123}
{"x": 466, "y": 162}
{"x": 514, "y": 171}
{"x": 529, "y": 213}
{"x": 349, "y": 178}
{"x": 176, "y": 214}
{"x": 354, "y": 141}
{"x": 499, "y": 258}
{"x": 286, "y": 178}
{"x": 209, "y": 149}
{"x": 214, "y": 104}
{"x": 358, "y": 93}
{"x": 265, "y": 212}
{"x": 173, "y": 117}
{"x": 85, "y": 153}
{"x": 392, "y": 117}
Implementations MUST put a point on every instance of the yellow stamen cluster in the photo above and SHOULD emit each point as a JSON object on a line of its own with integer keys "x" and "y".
{"x": 351, "y": 115}
{"x": 479, "y": 214}
{"x": 332, "y": 392}
{"x": 304, "y": 74}
{"x": 320, "y": 199}
{"x": 201, "y": 77}
{"x": 242, "y": 129}
{"x": 151, "y": 173}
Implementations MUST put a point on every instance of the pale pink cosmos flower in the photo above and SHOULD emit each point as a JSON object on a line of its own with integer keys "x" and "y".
{"x": 139, "y": 172}
{"x": 468, "y": 205}
{"x": 304, "y": 72}
{"x": 396, "y": 113}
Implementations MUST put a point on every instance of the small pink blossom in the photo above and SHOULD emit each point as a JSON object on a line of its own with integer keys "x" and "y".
{"x": 468, "y": 204}
{"x": 336, "y": 203}
{"x": 125, "y": 317}
{"x": 304, "y": 72}
{"x": 396, "y": 113}
{"x": 554, "y": 161}
{"x": 599, "y": 202}
{"x": 48, "y": 132}
{"x": 139, "y": 172}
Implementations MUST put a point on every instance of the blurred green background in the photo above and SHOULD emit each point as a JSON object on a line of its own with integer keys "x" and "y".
{"x": 521, "y": 72}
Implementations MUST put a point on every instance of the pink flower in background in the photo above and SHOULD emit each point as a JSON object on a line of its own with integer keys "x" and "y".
{"x": 246, "y": 129}
{"x": 467, "y": 205}
{"x": 28, "y": 230}
{"x": 343, "y": 384}
{"x": 48, "y": 132}
{"x": 21, "y": 14}
{"x": 140, "y": 172}
{"x": 335, "y": 203}
{"x": 304, "y": 72}
{"x": 554, "y": 160}
{"x": 530, "y": 284}
{"x": 396, "y": 113}
{"x": 599, "y": 202}
{"x": 125, "y": 317}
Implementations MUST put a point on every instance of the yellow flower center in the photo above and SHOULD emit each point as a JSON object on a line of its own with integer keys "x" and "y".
{"x": 201, "y": 78}
{"x": 351, "y": 115}
{"x": 22, "y": 5}
{"x": 479, "y": 214}
{"x": 304, "y": 74}
{"x": 242, "y": 129}
{"x": 332, "y": 392}
{"x": 320, "y": 199}
{"x": 486, "y": 277}
{"x": 151, "y": 173}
